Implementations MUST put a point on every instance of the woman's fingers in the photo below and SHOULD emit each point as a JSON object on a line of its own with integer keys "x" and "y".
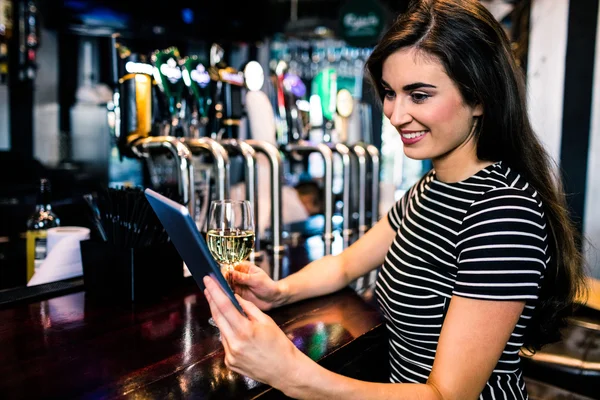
{"x": 242, "y": 278}
{"x": 238, "y": 277}
{"x": 218, "y": 317}
{"x": 244, "y": 266}
{"x": 224, "y": 307}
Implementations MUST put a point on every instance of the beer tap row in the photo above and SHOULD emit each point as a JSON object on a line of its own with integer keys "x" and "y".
{"x": 202, "y": 115}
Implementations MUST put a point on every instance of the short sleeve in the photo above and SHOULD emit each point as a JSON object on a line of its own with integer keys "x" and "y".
{"x": 396, "y": 213}
{"x": 502, "y": 247}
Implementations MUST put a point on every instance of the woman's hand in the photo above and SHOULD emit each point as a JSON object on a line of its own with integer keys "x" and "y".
{"x": 253, "y": 284}
{"x": 254, "y": 346}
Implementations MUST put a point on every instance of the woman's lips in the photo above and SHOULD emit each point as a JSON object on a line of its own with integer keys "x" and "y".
{"x": 412, "y": 137}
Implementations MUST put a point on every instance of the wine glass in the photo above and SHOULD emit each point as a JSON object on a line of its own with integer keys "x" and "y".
{"x": 230, "y": 235}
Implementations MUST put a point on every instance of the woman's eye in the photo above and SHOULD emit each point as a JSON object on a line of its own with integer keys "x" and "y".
{"x": 389, "y": 94}
{"x": 419, "y": 97}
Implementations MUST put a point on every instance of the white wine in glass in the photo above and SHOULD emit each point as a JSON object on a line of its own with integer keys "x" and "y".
{"x": 230, "y": 235}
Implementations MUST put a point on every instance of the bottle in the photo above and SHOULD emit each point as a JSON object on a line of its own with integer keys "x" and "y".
{"x": 6, "y": 28}
{"x": 37, "y": 226}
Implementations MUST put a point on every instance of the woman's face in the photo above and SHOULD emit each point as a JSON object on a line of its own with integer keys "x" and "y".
{"x": 427, "y": 109}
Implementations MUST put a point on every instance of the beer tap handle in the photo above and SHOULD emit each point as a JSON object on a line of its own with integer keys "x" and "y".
{"x": 168, "y": 76}
{"x": 216, "y": 55}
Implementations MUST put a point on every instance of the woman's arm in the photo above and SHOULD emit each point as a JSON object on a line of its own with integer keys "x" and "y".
{"x": 474, "y": 335}
{"x": 332, "y": 273}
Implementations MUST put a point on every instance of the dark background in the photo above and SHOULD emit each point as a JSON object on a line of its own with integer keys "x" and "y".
{"x": 220, "y": 20}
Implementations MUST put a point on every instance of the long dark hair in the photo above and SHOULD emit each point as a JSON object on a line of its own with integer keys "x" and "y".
{"x": 476, "y": 54}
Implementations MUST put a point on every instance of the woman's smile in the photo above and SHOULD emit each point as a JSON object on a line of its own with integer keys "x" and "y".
{"x": 412, "y": 137}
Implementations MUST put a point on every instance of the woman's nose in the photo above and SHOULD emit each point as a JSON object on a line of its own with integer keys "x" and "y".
{"x": 400, "y": 115}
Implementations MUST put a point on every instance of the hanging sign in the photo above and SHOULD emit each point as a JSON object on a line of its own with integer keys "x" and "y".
{"x": 361, "y": 22}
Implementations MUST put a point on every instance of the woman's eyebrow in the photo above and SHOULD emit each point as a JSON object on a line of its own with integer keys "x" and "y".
{"x": 412, "y": 86}
{"x": 417, "y": 85}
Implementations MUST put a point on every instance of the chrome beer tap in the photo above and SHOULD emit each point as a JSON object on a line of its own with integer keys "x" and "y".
{"x": 345, "y": 152}
{"x": 220, "y": 158}
{"x": 361, "y": 155}
{"x": 144, "y": 147}
{"x": 304, "y": 146}
{"x": 375, "y": 169}
{"x": 262, "y": 124}
{"x": 276, "y": 173}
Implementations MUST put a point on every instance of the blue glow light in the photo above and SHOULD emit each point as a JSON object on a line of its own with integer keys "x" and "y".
{"x": 187, "y": 15}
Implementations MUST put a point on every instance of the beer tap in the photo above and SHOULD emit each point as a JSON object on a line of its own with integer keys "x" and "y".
{"x": 375, "y": 169}
{"x": 226, "y": 108}
{"x": 262, "y": 125}
{"x": 304, "y": 146}
{"x": 289, "y": 89}
{"x": 132, "y": 109}
{"x": 144, "y": 147}
{"x": 220, "y": 157}
{"x": 344, "y": 107}
{"x": 218, "y": 94}
{"x": 361, "y": 155}
{"x": 294, "y": 147}
{"x": 283, "y": 116}
{"x": 197, "y": 79}
{"x": 228, "y": 83}
{"x": 276, "y": 173}
{"x": 374, "y": 156}
{"x": 169, "y": 79}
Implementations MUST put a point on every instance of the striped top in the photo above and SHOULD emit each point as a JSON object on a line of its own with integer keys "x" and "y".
{"x": 482, "y": 238}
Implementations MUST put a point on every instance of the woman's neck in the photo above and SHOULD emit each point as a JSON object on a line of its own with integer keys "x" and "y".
{"x": 449, "y": 173}
{"x": 459, "y": 164}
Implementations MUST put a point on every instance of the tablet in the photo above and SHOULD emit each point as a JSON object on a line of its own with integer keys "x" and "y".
{"x": 188, "y": 241}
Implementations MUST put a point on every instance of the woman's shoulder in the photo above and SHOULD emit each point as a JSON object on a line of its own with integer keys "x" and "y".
{"x": 507, "y": 194}
{"x": 504, "y": 183}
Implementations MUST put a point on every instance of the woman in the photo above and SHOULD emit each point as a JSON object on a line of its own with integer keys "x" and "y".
{"x": 477, "y": 260}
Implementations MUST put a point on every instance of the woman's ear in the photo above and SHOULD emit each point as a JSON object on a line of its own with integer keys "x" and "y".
{"x": 478, "y": 110}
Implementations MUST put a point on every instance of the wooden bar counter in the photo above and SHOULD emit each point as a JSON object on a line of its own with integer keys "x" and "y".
{"x": 71, "y": 346}
{"x": 74, "y": 346}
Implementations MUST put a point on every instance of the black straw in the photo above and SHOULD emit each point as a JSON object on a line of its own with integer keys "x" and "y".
{"x": 122, "y": 216}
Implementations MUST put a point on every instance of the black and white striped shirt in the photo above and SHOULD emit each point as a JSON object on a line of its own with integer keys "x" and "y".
{"x": 482, "y": 238}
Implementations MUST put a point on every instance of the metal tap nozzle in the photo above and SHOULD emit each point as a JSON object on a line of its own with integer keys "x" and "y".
{"x": 221, "y": 159}
{"x": 374, "y": 155}
{"x": 361, "y": 155}
{"x": 325, "y": 151}
{"x": 347, "y": 230}
{"x": 272, "y": 153}
{"x": 181, "y": 153}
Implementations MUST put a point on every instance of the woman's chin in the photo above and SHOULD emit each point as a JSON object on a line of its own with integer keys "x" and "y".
{"x": 416, "y": 154}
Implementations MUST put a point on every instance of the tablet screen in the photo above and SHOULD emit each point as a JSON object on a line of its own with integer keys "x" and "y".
{"x": 188, "y": 241}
